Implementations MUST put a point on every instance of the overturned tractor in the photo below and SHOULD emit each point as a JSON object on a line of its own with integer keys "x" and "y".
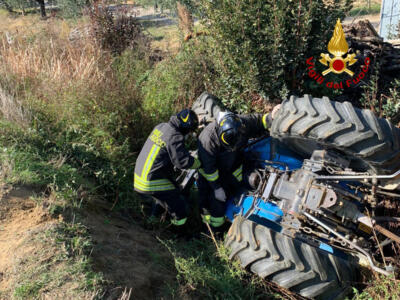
{"x": 321, "y": 193}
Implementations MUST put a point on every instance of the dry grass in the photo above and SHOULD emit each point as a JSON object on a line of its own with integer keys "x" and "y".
{"x": 26, "y": 25}
{"x": 12, "y": 109}
{"x": 39, "y": 62}
{"x": 126, "y": 295}
{"x": 48, "y": 54}
{"x": 185, "y": 19}
{"x": 359, "y": 3}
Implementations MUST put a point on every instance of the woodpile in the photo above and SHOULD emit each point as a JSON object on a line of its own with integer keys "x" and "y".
{"x": 362, "y": 37}
{"x": 365, "y": 42}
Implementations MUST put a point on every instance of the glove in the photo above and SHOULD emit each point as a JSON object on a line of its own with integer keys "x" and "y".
{"x": 275, "y": 111}
{"x": 193, "y": 153}
{"x": 219, "y": 194}
{"x": 196, "y": 164}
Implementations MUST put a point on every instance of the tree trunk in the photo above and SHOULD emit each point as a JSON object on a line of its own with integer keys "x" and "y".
{"x": 42, "y": 8}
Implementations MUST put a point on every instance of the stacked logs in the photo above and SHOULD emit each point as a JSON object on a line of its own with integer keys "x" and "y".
{"x": 364, "y": 41}
{"x": 363, "y": 37}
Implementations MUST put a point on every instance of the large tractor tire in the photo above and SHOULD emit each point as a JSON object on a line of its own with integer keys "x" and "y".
{"x": 290, "y": 263}
{"x": 306, "y": 124}
{"x": 207, "y": 108}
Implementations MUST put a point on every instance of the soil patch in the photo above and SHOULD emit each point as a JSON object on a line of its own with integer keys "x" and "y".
{"x": 20, "y": 219}
{"x": 129, "y": 256}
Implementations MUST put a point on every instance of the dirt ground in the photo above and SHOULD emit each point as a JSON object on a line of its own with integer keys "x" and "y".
{"x": 129, "y": 257}
{"x": 19, "y": 218}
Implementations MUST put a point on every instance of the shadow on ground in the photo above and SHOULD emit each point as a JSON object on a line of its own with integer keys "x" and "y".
{"x": 129, "y": 256}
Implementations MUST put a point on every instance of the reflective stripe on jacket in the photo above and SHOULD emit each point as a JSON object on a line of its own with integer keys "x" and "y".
{"x": 163, "y": 149}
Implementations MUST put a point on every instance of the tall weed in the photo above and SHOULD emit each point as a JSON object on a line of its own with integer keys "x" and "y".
{"x": 210, "y": 274}
{"x": 176, "y": 81}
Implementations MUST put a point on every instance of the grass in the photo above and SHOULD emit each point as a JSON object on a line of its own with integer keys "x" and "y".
{"x": 3, "y": 13}
{"x": 82, "y": 101}
{"x": 48, "y": 257}
{"x": 71, "y": 124}
{"x": 207, "y": 272}
{"x": 25, "y": 163}
{"x": 360, "y": 8}
{"x": 28, "y": 24}
{"x": 166, "y": 38}
{"x": 57, "y": 61}
{"x": 60, "y": 267}
{"x": 381, "y": 288}
{"x": 60, "y": 105}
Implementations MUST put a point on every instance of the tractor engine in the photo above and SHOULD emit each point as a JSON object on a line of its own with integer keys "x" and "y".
{"x": 300, "y": 192}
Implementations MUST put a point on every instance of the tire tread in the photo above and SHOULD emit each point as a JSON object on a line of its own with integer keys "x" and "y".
{"x": 288, "y": 262}
{"x": 307, "y": 123}
{"x": 207, "y": 108}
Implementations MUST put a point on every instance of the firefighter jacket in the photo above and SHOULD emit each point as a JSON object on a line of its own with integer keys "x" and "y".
{"x": 163, "y": 149}
{"x": 218, "y": 161}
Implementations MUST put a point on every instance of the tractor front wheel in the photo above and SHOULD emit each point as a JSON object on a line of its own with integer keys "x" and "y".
{"x": 290, "y": 263}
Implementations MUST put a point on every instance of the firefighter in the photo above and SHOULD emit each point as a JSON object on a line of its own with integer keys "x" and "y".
{"x": 163, "y": 151}
{"x": 220, "y": 152}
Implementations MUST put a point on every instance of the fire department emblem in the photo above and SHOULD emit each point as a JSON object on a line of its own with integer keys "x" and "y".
{"x": 338, "y": 47}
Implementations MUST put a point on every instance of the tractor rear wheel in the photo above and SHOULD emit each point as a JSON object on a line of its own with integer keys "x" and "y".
{"x": 306, "y": 124}
{"x": 207, "y": 107}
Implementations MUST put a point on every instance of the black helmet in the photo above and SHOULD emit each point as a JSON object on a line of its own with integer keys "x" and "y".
{"x": 230, "y": 131}
{"x": 188, "y": 121}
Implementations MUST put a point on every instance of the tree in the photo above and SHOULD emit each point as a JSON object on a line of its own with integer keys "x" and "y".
{"x": 6, "y": 6}
{"x": 261, "y": 46}
{"x": 42, "y": 8}
{"x": 10, "y": 5}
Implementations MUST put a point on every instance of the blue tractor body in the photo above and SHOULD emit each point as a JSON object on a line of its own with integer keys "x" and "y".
{"x": 283, "y": 158}
{"x": 268, "y": 213}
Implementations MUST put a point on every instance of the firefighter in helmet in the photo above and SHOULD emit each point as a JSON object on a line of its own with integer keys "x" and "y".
{"x": 163, "y": 151}
{"x": 220, "y": 152}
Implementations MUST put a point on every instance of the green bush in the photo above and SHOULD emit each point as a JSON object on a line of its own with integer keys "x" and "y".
{"x": 260, "y": 47}
{"x": 391, "y": 109}
{"x": 382, "y": 96}
{"x": 177, "y": 81}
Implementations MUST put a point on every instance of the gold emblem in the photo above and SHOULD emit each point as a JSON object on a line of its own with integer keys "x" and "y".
{"x": 338, "y": 47}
